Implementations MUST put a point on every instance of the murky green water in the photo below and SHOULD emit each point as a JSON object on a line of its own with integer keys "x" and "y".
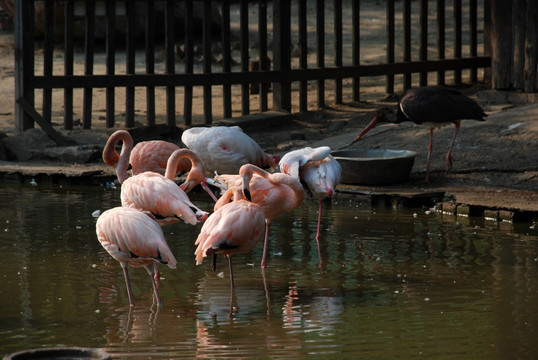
{"x": 396, "y": 284}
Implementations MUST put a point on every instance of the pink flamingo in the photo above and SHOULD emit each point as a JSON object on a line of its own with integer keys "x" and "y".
{"x": 145, "y": 156}
{"x": 153, "y": 156}
{"x": 233, "y": 228}
{"x": 274, "y": 193}
{"x": 133, "y": 238}
{"x": 225, "y": 149}
{"x": 161, "y": 196}
{"x": 319, "y": 172}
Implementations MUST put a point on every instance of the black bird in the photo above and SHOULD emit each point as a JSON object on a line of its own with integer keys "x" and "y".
{"x": 433, "y": 106}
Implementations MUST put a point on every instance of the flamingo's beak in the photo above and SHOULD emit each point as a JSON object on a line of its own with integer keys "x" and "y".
{"x": 187, "y": 186}
{"x": 202, "y": 217}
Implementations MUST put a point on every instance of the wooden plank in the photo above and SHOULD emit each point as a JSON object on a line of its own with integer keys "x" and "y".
{"x": 226, "y": 58}
{"x": 110, "y": 61}
{"x": 473, "y": 15}
{"x": 169, "y": 26}
{"x": 303, "y": 56}
{"x": 69, "y": 11}
{"x": 501, "y": 39}
{"x": 440, "y": 39}
{"x": 264, "y": 59}
{"x": 206, "y": 34}
{"x": 457, "y": 38}
{"x": 130, "y": 62}
{"x": 407, "y": 40}
{"x": 243, "y": 29}
{"x": 45, "y": 125}
{"x": 281, "y": 53}
{"x": 423, "y": 56}
{"x": 320, "y": 48}
{"x": 150, "y": 60}
{"x": 89, "y": 50}
{"x": 338, "y": 49}
{"x": 284, "y": 76}
{"x": 24, "y": 61}
{"x": 356, "y": 43}
{"x": 531, "y": 45}
{"x": 48, "y": 48}
{"x": 389, "y": 82}
{"x": 487, "y": 37}
{"x": 189, "y": 60}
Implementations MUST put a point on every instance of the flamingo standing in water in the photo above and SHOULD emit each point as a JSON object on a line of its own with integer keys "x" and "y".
{"x": 225, "y": 149}
{"x": 153, "y": 156}
{"x": 318, "y": 171}
{"x": 274, "y": 193}
{"x": 433, "y": 106}
{"x": 235, "y": 227}
{"x": 133, "y": 238}
{"x": 161, "y": 196}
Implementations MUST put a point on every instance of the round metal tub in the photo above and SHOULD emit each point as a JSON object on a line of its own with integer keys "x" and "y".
{"x": 375, "y": 166}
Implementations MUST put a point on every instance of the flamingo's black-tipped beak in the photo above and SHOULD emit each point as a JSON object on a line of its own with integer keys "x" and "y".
{"x": 246, "y": 192}
{"x": 368, "y": 127}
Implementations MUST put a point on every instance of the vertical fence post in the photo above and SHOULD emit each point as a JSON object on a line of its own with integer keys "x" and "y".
{"x": 282, "y": 52}
{"x": 389, "y": 85}
{"x": 531, "y": 48}
{"x": 303, "y": 57}
{"x": 356, "y": 52}
{"x": 501, "y": 30}
{"x": 423, "y": 39}
{"x": 130, "y": 62}
{"x": 457, "y": 38}
{"x": 487, "y": 37}
{"x": 407, "y": 40}
{"x": 243, "y": 26}
{"x": 473, "y": 12}
{"x": 170, "y": 30}
{"x": 441, "y": 38}
{"x": 150, "y": 60}
{"x": 68, "y": 62}
{"x": 320, "y": 44}
{"x": 208, "y": 98}
{"x": 338, "y": 48}
{"x": 189, "y": 60}
{"x": 24, "y": 61}
{"x": 264, "y": 61}
{"x": 48, "y": 48}
{"x": 110, "y": 60}
{"x": 226, "y": 59}
{"x": 88, "y": 63}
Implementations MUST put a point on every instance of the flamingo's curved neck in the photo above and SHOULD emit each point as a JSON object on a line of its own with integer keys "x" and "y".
{"x": 120, "y": 161}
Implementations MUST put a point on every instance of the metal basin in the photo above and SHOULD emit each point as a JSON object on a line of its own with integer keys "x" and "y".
{"x": 375, "y": 166}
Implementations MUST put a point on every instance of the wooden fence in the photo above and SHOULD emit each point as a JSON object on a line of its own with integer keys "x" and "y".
{"x": 294, "y": 43}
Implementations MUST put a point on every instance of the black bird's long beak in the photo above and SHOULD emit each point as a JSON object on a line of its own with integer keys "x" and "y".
{"x": 368, "y": 127}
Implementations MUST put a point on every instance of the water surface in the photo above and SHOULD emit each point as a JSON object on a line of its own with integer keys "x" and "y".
{"x": 394, "y": 284}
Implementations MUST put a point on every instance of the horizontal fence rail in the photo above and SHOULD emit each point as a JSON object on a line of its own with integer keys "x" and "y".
{"x": 239, "y": 52}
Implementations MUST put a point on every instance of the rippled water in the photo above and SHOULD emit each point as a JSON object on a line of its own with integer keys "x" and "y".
{"x": 395, "y": 284}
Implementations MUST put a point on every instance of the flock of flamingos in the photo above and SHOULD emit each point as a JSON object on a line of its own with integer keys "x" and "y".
{"x": 251, "y": 197}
